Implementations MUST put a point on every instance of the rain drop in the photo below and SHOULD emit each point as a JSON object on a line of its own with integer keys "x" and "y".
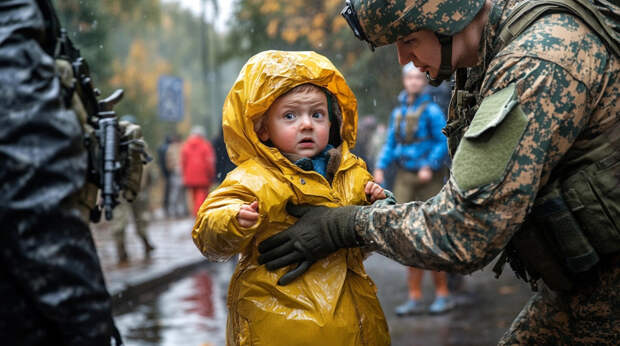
{"x": 374, "y": 102}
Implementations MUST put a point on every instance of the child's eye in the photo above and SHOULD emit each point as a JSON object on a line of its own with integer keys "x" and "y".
{"x": 289, "y": 116}
{"x": 318, "y": 115}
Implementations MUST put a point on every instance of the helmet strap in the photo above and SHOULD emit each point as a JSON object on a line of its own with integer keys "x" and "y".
{"x": 445, "y": 68}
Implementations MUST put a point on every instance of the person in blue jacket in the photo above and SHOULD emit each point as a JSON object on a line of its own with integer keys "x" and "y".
{"x": 417, "y": 146}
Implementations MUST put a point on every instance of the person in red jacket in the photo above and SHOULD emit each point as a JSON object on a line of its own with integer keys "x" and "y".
{"x": 198, "y": 166}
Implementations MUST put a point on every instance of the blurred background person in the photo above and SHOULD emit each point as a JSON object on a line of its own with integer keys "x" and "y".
{"x": 163, "y": 169}
{"x": 366, "y": 143}
{"x": 177, "y": 205}
{"x": 223, "y": 165}
{"x": 197, "y": 166}
{"x": 418, "y": 147}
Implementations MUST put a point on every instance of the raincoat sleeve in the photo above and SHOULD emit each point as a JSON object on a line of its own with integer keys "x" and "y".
{"x": 438, "y": 145}
{"x": 47, "y": 256}
{"x": 217, "y": 232}
{"x": 387, "y": 155}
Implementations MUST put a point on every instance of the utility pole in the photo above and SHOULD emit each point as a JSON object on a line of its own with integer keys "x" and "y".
{"x": 211, "y": 77}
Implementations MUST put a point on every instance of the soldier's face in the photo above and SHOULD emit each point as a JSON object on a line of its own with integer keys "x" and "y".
{"x": 423, "y": 49}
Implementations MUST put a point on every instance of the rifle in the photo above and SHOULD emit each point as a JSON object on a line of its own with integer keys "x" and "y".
{"x": 109, "y": 163}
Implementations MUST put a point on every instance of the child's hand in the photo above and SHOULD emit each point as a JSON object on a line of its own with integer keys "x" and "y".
{"x": 248, "y": 214}
{"x": 374, "y": 190}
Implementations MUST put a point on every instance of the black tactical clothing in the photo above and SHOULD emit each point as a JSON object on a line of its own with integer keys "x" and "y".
{"x": 52, "y": 290}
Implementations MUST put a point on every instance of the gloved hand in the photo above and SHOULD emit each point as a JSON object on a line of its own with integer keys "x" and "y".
{"x": 319, "y": 232}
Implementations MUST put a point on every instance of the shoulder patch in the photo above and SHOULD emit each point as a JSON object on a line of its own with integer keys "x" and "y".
{"x": 490, "y": 141}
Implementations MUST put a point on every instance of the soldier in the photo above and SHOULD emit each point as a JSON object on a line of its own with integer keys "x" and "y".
{"x": 52, "y": 288}
{"x": 534, "y": 134}
{"x": 138, "y": 209}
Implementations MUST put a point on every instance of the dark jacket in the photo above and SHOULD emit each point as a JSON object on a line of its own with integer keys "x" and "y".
{"x": 52, "y": 290}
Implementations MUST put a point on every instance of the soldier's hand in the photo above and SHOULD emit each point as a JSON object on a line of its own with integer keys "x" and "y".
{"x": 319, "y": 232}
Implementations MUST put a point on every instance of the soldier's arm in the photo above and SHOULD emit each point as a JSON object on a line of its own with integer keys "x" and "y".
{"x": 47, "y": 250}
{"x": 484, "y": 203}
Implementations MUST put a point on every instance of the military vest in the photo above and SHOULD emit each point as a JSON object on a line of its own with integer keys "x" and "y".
{"x": 412, "y": 119}
{"x": 575, "y": 221}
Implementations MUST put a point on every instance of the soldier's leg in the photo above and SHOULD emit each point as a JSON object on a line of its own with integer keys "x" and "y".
{"x": 139, "y": 209}
{"x": 118, "y": 225}
{"x": 588, "y": 315}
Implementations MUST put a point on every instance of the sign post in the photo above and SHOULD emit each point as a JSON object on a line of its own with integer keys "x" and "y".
{"x": 170, "y": 103}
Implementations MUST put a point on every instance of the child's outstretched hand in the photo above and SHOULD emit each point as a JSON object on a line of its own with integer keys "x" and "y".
{"x": 374, "y": 190}
{"x": 248, "y": 214}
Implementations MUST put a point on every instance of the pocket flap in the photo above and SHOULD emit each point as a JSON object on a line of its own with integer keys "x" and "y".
{"x": 492, "y": 111}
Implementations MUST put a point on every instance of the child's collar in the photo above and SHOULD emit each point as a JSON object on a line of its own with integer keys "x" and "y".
{"x": 332, "y": 155}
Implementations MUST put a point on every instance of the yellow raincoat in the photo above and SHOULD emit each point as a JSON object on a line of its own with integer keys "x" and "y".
{"x": 334, "y": 302}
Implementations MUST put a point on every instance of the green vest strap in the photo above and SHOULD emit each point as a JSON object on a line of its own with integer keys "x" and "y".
{"x": 529, "y": 11}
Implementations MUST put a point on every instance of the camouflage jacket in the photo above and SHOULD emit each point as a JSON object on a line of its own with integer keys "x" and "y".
{"x": 567, "y": 84}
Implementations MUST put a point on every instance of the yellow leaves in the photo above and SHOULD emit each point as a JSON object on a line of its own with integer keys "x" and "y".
{"x": 270, "y": 7}
{"x": 338, "y": 24}
{"x": 290, "y": 35}
{"x": 272, "y": 27}
{"x": 351, "y": 58}
{"x": 139, "y": 74}
{"x": 319, "y": 20}
{"x": 299, "y": 23}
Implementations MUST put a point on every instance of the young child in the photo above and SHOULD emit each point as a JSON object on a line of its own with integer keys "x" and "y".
{"x": 289, "y": 122}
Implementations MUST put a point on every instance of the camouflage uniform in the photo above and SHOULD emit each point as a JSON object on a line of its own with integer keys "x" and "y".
{"x": 138, "y": 208}
{"x": 567, "y": 84}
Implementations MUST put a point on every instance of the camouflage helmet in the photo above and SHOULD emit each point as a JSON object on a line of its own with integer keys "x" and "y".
{"x": 383, "y": 22}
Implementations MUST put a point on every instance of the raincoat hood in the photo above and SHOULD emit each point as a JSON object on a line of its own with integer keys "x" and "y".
{"x": 264, "y": 78}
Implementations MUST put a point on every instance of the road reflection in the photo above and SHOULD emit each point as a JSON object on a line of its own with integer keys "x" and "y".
{"x": 191, "y": 311}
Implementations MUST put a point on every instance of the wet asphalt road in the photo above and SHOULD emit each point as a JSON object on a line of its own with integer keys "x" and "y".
{"x": 486, "y": 307}
{"x": 192, "y": 311}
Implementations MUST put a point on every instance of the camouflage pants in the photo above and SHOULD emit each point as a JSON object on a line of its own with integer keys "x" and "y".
{"x": 121, "y": 219}
{"x": 587, "y": 316}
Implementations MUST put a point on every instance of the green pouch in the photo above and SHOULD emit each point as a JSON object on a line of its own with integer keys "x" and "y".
{"x": 490, "y": 141}
{"x": 593, "y": 194}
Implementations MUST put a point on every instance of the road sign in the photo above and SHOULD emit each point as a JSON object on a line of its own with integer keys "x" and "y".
{"x": 170, "y": 102}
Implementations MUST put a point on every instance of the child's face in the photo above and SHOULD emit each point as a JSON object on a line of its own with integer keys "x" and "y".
{"x": 298, "y": 123}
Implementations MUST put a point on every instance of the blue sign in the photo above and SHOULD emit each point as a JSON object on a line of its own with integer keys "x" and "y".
{"x": 171, "y": 102}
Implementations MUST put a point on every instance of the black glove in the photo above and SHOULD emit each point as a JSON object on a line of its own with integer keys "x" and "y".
{"x": 319, "y": 232}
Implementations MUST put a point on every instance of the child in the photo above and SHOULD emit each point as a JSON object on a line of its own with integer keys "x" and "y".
{"x": 289, "y": 122}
